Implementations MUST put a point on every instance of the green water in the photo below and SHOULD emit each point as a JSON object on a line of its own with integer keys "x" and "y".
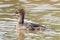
{"x": 45, "y": 12}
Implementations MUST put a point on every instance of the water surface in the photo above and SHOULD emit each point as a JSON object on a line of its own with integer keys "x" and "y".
{"x": 45, "y": 12}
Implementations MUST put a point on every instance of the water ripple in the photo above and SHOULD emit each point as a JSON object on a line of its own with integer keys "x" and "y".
{"x": 25, "y": 1}
{"x": 54, "y": 0}
{"x": 6, "y": 5}
{"x": 49, "y": 19}
{"x": 40, "y": 8}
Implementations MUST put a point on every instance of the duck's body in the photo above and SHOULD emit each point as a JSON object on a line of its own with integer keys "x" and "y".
{"x": 27, "y": 25}
{"x": 33, "y": 26}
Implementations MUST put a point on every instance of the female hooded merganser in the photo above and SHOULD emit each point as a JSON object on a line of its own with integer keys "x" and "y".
{"x": 22, "y": 25}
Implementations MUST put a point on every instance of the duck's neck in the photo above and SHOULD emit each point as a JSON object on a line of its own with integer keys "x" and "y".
{"x": 21, "y": 18}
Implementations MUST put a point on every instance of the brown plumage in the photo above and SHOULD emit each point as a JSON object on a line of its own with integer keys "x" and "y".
{"x": 27, "y": 25}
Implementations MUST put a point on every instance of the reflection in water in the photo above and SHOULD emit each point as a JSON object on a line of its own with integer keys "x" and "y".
{"x": 46, "y": 13}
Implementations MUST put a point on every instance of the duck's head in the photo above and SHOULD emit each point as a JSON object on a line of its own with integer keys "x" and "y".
{"x": 20, "y": 11}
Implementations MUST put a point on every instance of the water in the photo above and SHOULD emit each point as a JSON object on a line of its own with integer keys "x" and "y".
{"x": 47, "y": 13}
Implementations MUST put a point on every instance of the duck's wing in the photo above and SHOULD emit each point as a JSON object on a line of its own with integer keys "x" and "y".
{"x": 35, "y": 25}
{"x": 32, "y": 24}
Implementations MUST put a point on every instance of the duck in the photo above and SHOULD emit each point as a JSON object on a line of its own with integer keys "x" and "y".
{"x": 27, "y": 26}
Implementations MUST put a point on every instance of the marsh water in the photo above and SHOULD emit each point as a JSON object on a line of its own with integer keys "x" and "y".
{"x": 44, "y": 12}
